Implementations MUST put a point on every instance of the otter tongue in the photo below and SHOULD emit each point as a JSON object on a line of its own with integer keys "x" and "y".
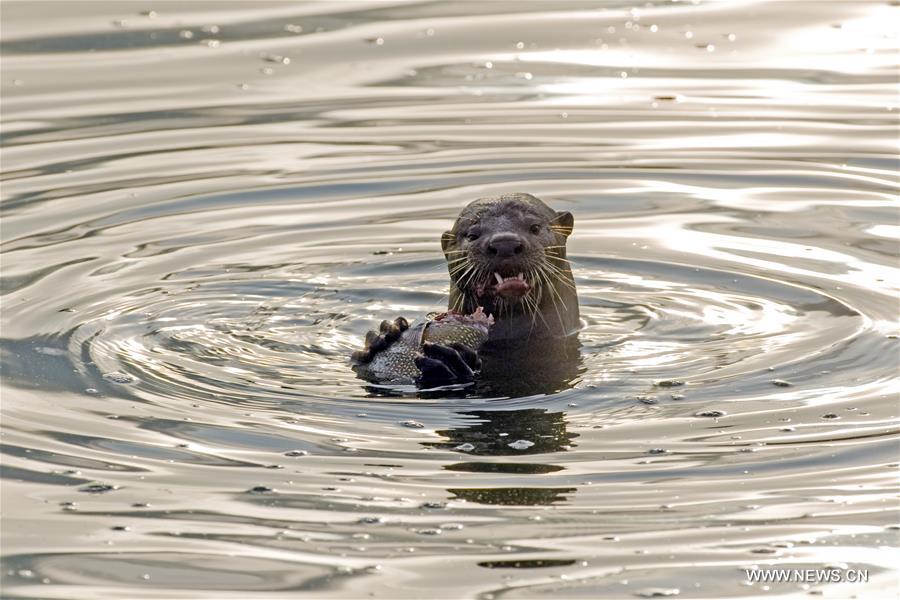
{"x": 511, "y": 287}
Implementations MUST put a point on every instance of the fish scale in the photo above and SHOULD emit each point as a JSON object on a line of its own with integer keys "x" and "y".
{"x": 396, "y": 364}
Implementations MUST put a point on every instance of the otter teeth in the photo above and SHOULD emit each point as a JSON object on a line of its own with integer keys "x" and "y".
{"x": 500, "y": 279}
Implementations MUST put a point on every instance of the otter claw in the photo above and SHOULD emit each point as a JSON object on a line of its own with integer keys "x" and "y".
{"x": 443, "y": 365}
{"x": 470, "y": 356}
{"x": 434, "y": 372}
{"x": 376, "y": 342}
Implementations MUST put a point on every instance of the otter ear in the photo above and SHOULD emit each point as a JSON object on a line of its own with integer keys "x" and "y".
{"x": 448, "y": 240}
{"x": 563, "y": 223}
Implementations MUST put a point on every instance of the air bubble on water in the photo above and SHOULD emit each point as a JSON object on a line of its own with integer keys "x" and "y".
{"x": 291, "y": 28}
{"x": 150, "y": 14}
{"x": 654, "y": 28}
{"x": 658, "y": 592}
{"x": 657, "y": 451}
{"x": 413, "y": 424}
{"x": 781, "y": 383}
{"x": 98, "y": 488}
{"x": 378, "y": 41}
{"x": 669, "y": 383}
{"x": 710, "y": 413}
{"x": 261, "y": 489}
{"x": 276, "y": 58}
{"x": 210, "y": 29}
{"x": 467, "y": 447}
{"x": 451, "y": 526}
{"x": 731, "y": 37}
{"x": 50, "y": 351}
{"x": 428, "y": 531}
{"x": 211, "y": 43}
{"x": 371, "y": 521}
{"x": 186, "y": 34}
{"x": 119, "y": 377}
{"x": 520, "y": 45}
{"x": 520, "y": 444}
{"x": 267, "y": 70}
{"x": 524, "y": 75}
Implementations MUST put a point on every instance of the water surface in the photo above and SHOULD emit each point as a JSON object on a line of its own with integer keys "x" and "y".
{"x": 206, "y": 205}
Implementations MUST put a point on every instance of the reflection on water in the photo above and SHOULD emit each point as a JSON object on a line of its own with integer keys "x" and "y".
{"x": 544, "y": 431}
{"x": 205, "y": 206}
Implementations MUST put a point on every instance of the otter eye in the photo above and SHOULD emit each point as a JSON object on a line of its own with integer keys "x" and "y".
{"x": 472, "y": 235}
{"x": 535, "y": 228}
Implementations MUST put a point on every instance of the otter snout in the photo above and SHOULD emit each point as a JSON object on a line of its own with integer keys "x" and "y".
{"x": 505, "y": 245}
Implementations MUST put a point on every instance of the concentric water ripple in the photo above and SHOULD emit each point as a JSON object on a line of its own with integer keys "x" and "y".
{"x": 206, "y": 207}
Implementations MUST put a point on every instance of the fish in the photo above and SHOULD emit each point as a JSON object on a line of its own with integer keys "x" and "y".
{"x": 395, "y": 365}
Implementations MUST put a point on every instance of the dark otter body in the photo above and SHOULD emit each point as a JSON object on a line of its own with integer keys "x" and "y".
{"x": 507, "y": 255}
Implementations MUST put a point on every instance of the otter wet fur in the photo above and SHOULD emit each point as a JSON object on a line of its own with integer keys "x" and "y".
{"x": 506, "y": 256}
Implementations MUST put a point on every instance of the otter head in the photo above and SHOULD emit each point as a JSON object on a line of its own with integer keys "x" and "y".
{"x": 508, "y": 254}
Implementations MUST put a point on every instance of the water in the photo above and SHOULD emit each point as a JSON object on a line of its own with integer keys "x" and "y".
{"x": 206, "y": 207}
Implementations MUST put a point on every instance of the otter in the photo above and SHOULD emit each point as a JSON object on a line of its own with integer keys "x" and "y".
{"x": 506, "y": 255}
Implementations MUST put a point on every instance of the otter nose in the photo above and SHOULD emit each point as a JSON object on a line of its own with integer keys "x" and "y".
{"x": 504, "y": 245}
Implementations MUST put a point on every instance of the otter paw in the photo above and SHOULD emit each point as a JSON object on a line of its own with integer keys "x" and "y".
{"x": 376, "y": 341}
{"x": 446, "y": 365}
